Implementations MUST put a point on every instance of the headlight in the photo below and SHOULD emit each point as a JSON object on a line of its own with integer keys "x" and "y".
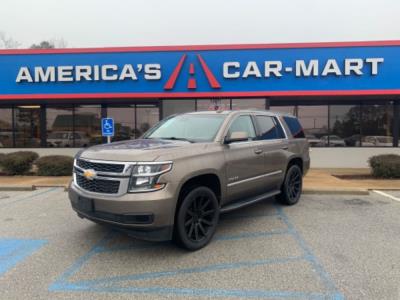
{"x": 145, "y": 176}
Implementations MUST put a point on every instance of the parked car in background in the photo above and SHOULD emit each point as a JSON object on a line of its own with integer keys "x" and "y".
{"x": 66, "y": 139}
{"x": 313, "y": 141}
{"x": 332, "y": 141}
{"x": 353, "y": 141}
{"x": 378, "y": 141}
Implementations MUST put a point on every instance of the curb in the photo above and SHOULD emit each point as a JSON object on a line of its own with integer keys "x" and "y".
{"x": 29, "y": 188}
{"x": 61, "y": 186}
{"x": 330, "y": 191}
{"x": 22, "y": 188}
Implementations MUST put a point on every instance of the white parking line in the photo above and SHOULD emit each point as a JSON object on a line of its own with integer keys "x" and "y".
{"x": 387, "y": 195}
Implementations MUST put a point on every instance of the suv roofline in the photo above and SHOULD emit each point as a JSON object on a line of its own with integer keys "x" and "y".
{"x": 232, "y": 112}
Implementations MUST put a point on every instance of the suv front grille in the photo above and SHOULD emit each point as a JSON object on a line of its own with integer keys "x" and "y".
{"x": 100, "y": 167}
{"x": 98, "y": 185}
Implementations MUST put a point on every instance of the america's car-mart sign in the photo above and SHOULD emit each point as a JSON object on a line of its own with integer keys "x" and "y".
{"x": 202, "y": 71}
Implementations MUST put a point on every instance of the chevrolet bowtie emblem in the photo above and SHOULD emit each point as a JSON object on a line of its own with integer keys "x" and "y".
{"x": 89, "y": 174}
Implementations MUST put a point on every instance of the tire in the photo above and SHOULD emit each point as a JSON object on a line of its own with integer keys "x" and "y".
{"x": 292, "y": 186}
{"x": 197, "y": 218}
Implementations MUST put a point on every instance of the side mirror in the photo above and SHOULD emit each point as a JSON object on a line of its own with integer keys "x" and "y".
{"x": 237, "y": 136}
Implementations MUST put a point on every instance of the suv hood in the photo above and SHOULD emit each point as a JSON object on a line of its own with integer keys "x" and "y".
{"x": 132, "y": 150}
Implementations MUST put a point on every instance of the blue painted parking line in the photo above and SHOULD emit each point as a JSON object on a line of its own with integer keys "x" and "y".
{"x": 29, "y": 197}
{"x": 309, "y": 256}
{"x": 249, "y": 235}
{"x": 111, "y": 284}
{"x": 209, "y": 268}
{"x": 197, "y": 292}
{"x": 13, "y": 251}
{"x": 82, "y": 260}
{"x": 133, "y": 246}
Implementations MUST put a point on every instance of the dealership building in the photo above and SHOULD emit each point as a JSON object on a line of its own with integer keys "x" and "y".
{"x": 346, "y": 95}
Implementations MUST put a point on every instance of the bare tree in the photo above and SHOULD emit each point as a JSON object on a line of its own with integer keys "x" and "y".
{"x": 8, "y": 42}
{"x": 59, "y": 43}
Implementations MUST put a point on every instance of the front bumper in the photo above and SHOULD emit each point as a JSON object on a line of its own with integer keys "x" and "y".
{"x": 148, "y": 216}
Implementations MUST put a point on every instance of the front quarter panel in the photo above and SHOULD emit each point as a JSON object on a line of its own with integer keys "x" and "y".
{"x": 208, "y": 161}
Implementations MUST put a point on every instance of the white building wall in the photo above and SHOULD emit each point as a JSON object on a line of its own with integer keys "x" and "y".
{"x": 320, "y": 157}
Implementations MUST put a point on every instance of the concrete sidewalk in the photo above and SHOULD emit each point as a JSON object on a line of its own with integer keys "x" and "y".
{"x": 324, "y": 180}
{"x": 316, "y": 181}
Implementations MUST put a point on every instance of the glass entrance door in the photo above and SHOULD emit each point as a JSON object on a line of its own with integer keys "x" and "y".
{"x": 132, "y": 120}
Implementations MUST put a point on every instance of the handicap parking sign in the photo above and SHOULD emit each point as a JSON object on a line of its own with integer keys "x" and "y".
{"x": 107, "y": 127}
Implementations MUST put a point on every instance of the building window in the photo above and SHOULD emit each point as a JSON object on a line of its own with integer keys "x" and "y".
{"x": 6, "y": 128}
{"x": 59, "y": 127}
{"x": 147, "y": 116}
{"x": 87, "y": 126}
{"x": 124, "y": 120}
{"x": 345, "y": 123}
{"x": 27, "y": 126}
{"x": 170, "y": 107}
{"x": 377, "y": 125}
{"x": 213, "y": 104}
{"x": 314, "y": 120}
{"x": 253, "y": 104}
{"x": 292, "y": 110}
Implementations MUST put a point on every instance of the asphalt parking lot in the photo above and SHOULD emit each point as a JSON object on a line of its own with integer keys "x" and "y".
{"x": 326, "y": 247}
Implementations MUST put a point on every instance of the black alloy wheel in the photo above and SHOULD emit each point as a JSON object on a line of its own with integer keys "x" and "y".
{"x": 197, "y": 218}
{"x": 292, "y": 186}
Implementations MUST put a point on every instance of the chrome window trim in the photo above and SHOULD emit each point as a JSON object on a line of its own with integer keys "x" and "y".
{"x": 283, "y": 128}
{"x": 254, "y": 178}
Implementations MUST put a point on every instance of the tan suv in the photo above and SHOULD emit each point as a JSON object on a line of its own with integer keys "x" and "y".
{"x": 176, "y": 180}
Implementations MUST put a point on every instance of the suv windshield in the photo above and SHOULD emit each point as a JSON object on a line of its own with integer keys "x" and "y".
{"x": 193, "y": 128}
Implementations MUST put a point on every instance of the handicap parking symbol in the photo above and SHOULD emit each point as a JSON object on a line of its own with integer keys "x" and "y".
{"x": 107, "y": 127}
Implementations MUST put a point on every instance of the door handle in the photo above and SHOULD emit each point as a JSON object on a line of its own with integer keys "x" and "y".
{"x": 258, "y": 151}
{"x": 285, "y": 148}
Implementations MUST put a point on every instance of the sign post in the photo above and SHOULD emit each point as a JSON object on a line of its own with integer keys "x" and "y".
{"x": 107, "y": 128}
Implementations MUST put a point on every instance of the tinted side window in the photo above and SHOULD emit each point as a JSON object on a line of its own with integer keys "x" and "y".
{"x": 268, "y": 128}
{"x": 294, "y": 127}
{"x": 243, "y": 123}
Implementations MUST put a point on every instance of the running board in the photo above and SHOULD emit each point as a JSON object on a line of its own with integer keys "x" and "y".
{"x": 248, "y": 201}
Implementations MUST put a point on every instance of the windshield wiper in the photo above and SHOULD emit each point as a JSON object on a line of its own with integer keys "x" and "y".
{"x": 177, "y": 139}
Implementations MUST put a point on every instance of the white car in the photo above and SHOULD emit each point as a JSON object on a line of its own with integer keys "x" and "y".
{"x": 313, "y": 141}
{"x": 66, "y": 139}
{"x": 334, "y": 141}
{"x": 377, "y": 141}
